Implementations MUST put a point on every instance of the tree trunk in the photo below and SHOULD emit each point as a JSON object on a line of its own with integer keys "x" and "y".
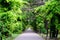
{"x": 50, "y": 33}
{"x": 46, "y": 26}
{"x": 52, "y": 28}
{"x": 47, "y": 33}
{"x": 53, "y": 32}
{"x": 56, "y": 34}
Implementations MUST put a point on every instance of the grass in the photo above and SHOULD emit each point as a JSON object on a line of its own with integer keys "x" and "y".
{"x": 11, "y": 38}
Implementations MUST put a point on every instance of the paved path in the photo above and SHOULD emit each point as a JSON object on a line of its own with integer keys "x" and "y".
{"x": 29, "y": 35}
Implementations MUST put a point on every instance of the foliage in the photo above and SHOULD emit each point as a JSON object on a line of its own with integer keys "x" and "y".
{"x": 15, "y": 15}
{"x": 11, "y": 17}
{"x": 40, "y": 24}
{"x": 49, "y": 10}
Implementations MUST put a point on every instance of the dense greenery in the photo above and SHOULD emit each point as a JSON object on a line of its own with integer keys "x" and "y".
{"x": 11, "y": 17}
{"x": 15, "y": 15}
{"x": 50, "y": 12}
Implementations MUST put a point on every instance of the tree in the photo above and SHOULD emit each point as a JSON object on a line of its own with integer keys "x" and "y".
{"x": 51, "y": 11}
{"x": 11, "y": 17}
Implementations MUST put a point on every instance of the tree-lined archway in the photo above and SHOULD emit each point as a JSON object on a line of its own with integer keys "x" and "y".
{"x": 15, "y": 15}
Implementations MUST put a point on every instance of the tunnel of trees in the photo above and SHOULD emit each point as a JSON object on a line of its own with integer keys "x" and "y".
{"x": 15, "y": 15}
